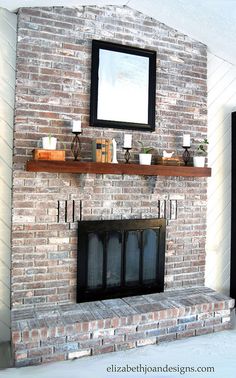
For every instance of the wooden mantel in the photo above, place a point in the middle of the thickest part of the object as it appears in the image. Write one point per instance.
(71, 166)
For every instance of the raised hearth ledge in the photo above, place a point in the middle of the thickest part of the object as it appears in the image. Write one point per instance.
(60, 332)
(71, 166)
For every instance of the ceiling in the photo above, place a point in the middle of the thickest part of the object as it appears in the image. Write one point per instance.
(212, 22)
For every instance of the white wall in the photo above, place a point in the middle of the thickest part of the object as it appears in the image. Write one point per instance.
(221, 103)
(7, 93)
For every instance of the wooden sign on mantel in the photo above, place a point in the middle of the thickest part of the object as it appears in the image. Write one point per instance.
(42, 154)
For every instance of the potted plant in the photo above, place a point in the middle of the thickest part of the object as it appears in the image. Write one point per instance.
(199, 160)
(49, 142)
(145, 157)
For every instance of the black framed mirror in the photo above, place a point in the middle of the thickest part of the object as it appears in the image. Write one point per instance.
(123, 86)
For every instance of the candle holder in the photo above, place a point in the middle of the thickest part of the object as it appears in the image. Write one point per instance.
(186, 155)
(127, 154)
(76, 146)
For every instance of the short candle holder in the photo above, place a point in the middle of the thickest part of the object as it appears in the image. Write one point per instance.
(76, 146)
(127, 154)
(186, 155)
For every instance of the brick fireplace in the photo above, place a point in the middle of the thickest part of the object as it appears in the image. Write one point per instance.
(52, 88)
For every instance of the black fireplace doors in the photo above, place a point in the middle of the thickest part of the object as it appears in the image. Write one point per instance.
(118, 258)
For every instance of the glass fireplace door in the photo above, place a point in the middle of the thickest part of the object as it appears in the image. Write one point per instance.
(120, 258)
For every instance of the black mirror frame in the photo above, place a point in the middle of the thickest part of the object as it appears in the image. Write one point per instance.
(151, 55)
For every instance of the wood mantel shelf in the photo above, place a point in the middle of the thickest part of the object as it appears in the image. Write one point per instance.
(71, 166)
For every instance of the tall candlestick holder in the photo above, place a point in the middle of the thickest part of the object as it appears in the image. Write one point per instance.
(186, 155)
(127, 154)
(76, 145)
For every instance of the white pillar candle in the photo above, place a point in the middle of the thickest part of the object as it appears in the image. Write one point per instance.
(76, 127)
(127, 140)
(186, 140)
(114, 146)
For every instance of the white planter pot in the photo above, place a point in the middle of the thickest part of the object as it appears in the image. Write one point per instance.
(145, 159)
(49, 143)
(199, 161)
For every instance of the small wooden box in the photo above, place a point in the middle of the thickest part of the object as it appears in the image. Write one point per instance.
(41, 154)
(177, 160)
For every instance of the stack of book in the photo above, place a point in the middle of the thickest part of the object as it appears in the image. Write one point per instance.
(177, 160)
(102, 150)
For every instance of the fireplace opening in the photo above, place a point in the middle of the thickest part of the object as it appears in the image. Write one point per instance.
(118, 258)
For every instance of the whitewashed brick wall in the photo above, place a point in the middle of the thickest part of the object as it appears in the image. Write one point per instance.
(52, 87)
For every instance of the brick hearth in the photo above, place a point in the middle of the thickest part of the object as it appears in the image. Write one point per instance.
(61, 332)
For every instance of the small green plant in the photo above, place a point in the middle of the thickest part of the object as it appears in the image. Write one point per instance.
(144, 149)
(202, 146)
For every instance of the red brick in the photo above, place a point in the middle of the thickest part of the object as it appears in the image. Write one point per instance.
(16, 337)
(101, 350)
(203, 331)
(184, 334)
(165, 338)
(125, 346)
(34, 334)
(40, 352)
(222, 327)
(54, 358)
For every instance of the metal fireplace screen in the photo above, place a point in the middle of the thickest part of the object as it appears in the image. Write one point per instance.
(119, 258)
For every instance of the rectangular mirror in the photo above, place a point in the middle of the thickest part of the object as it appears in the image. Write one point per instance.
(123, 86)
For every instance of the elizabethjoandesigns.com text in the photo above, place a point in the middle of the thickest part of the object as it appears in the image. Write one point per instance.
(148, 369)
